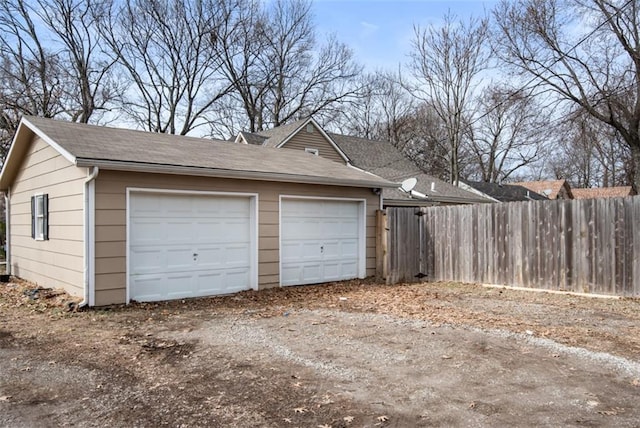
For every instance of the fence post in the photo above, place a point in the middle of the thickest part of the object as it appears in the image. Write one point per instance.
(382, 254)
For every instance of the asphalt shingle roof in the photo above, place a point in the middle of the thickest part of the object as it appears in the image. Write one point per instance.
(277, 135)
(383, 159)
(548, 188)
(602, 192)
(506, 192)
(255, 139)
(91, 144)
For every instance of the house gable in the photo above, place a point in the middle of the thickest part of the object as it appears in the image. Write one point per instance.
(304, 135)
(309, 139)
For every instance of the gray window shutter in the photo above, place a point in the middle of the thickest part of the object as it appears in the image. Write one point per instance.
(45, 210)
(33, 217)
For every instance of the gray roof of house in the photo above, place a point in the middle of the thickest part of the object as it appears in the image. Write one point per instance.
(126, 149)
(255, 139)
(277, 135)
(506, 192)
(384, 159)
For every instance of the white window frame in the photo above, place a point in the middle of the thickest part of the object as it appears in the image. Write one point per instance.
(315, 152)
(39, 217)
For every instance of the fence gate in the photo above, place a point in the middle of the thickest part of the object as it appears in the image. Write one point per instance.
(408, 258)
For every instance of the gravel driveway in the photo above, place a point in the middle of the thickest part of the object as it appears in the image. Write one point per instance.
(278, 360)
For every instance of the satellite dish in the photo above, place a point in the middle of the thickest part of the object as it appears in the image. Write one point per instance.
(408, 184)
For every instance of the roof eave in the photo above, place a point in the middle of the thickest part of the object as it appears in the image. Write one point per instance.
(460, 200)
(227, 173)
(408, 202)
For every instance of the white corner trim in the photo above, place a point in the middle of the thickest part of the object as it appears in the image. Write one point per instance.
(7, 230)
(240, 139)
(89, 225)
(254, 226)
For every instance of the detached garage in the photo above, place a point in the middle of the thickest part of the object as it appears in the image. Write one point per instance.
(115, 215)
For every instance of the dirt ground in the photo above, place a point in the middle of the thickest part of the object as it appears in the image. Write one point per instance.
(351, 354)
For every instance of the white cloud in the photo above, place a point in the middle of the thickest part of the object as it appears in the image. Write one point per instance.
(368, 29)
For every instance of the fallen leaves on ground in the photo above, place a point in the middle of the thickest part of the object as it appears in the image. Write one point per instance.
(573, 320)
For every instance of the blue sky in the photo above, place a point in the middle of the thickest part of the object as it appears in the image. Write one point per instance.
(380, 31)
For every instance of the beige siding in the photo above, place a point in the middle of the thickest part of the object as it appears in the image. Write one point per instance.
(111, 218)
(58, 262)
(313, 140)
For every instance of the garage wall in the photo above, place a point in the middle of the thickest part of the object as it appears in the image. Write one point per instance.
(111, 221)
(59, 261)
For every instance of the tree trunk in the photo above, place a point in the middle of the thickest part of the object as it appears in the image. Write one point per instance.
(635, 155)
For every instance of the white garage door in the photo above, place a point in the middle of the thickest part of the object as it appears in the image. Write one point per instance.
(321, 241)
(186, 245)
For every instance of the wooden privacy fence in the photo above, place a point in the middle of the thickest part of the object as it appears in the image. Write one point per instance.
(589, 246)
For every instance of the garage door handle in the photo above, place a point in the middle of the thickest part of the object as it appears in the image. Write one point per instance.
(322, 248)
(195, 255)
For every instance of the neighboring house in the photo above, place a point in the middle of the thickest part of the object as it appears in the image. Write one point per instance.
(501, 192)
(603, 192)
(378, 157)
(115, 215)
(551, 189)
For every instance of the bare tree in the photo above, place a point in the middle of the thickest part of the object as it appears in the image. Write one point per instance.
(591, 154)
(585, 52)
(169, 51)
(510, 133)
(73, 23)
(382, 110)
(243, 39)
(32, 74)
(426, 142)
(51, 64)
(279, 70)
(308, 77)
(447, 61)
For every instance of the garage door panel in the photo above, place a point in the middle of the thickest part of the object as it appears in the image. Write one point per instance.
(290, 251)
(290, 274)
(331, 250)
(236, 255)
(235, 280)
(148, 260)
(145, 231)
(184, 245)
(209, 257)
(349, 248)
(311, 272)
(177, 231)
(320, 240)
(178, 259)
(147, 287)
(331, 271)
(146, 205)
(349, 229)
